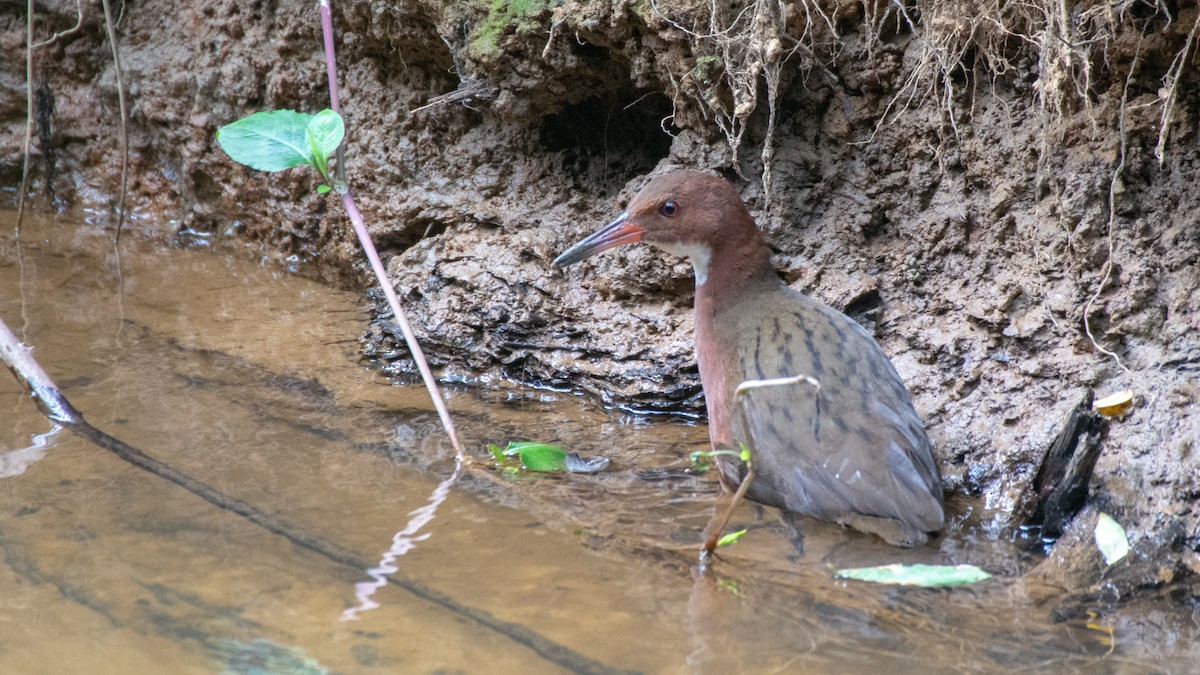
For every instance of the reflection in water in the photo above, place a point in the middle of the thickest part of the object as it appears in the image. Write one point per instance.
(402, 543)
(709, 615)
(15, 462)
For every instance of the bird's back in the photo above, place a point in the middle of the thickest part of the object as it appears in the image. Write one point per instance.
(852, 447)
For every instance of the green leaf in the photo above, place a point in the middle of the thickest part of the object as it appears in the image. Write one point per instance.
(916, 575)
(744, 455)
(268, 141)
(535, 456)
(323, 188)
(1111, 539)
(543, 457)
(325, 132)
(730, 538)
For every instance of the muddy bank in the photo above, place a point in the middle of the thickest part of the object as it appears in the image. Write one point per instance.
(972, 186)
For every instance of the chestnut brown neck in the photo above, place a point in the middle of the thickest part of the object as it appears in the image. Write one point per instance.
(739, 264)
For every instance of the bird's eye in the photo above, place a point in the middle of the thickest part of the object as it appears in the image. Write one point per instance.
(669, 209)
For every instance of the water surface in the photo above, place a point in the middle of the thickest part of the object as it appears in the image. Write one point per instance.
(245, 379)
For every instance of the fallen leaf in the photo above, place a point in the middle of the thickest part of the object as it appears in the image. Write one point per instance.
(1111, 539)
(916, 575)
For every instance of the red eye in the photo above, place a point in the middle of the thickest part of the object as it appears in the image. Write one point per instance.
(669, 209)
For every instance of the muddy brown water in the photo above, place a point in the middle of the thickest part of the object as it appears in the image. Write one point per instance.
(245, 379)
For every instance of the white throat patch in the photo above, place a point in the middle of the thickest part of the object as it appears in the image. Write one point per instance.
(699, 253)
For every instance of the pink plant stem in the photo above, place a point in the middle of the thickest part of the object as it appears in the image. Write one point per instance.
(364, 238)
(330, 60)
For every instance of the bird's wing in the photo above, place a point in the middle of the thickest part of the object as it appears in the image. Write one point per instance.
(853, 445)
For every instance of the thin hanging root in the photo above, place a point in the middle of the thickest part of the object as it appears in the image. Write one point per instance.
(112, 41)
(1171, 90)
(28, 115)
(1113, 182)
(29, 46)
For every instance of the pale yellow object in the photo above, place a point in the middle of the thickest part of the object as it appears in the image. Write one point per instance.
(1114, 404)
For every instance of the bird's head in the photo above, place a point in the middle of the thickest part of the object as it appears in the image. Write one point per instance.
(683, 212)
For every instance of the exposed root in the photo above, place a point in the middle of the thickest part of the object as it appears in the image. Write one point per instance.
(61, 34)
(1113, 190)
(740, 50)
(1170, 89)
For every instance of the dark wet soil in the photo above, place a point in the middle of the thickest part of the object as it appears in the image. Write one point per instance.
(984, 199)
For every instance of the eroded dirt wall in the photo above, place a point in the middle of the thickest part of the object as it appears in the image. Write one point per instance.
(971, 185)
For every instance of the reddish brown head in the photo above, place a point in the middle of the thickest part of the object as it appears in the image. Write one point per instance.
(685, 213)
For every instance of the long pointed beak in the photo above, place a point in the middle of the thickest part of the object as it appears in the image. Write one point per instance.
(620, 231)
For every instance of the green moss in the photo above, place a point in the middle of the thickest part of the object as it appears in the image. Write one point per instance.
(502, 16)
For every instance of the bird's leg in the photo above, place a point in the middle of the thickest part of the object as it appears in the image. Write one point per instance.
(795, 535)
(712, 531)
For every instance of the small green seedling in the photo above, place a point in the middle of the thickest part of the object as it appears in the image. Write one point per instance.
(700, 466)
(730, 538)
(275, 140)
(916, 575)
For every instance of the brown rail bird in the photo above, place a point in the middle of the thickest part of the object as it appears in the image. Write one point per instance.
(841, 441)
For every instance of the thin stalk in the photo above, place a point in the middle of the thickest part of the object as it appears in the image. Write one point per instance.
(28, 114)
(331, 72)
(364, 238)
(112, 41)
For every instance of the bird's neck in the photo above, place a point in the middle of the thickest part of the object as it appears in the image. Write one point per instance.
(733, 271)
(726, 272)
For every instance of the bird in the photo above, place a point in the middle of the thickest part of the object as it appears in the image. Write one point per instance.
(832, 430)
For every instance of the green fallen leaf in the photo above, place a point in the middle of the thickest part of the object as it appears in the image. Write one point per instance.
(1111, 539)
(515, 448)
(273, 140)
(916, 575)
(730, 538)
(533, 455)
(543, 457)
